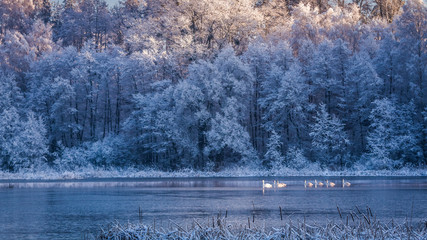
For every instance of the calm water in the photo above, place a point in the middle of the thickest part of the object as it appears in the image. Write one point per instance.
(68, 209)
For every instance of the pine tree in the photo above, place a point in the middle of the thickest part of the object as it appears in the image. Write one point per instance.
(273, 157)
(329, 138)
(383, 140)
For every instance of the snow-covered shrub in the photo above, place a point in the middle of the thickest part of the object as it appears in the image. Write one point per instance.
(72, 158)
(111, 151)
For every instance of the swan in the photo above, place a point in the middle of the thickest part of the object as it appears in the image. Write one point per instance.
(307, 184)
(329, 184)
(344, 183)
(266, 185)
(316, 183)
(281, 185)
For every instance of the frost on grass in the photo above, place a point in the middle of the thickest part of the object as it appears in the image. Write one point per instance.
(353, 226)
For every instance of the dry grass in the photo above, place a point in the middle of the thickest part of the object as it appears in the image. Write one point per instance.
(358, 224)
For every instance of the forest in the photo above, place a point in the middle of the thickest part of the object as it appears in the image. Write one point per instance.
(197, 84)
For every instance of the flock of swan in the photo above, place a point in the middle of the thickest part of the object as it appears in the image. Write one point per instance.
(306, 184)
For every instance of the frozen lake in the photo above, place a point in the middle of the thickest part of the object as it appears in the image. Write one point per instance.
(68, 209)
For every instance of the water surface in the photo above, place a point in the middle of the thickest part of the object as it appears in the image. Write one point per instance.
(69, 209)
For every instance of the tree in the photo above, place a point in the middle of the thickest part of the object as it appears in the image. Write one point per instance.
(364, 86)
(15, 15)
(86, 20)
(412, 32)
(287, 112)
(40, 39)
(227, 134)
(11, 95)
(43, 10)
(15, 55)
(381, 140)
(393, 136)
(343, 26)
(387, 9)
(388, 66)
(327, 73)
(10, 127)
(30, 145)
(273, 156)
(305, 25)
(329, 138)
(259, 61)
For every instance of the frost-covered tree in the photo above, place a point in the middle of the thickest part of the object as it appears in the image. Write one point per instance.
(389, 67)
(329, 138)
(40, 38)
(11, 95)
(392, 138)
(227, 134)
(23, 142)
(10, 128)
(43, 9)
(387, 9)
(305, 25)
(363, 87)
(30, 145)
(152, 129)
(273, 157)
(327, 75)
(412, 32)
(15, 15)
(381, 140)
(260, 66)
(15, 52)
(287, 114)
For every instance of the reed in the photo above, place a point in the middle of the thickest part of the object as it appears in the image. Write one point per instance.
(362, 226)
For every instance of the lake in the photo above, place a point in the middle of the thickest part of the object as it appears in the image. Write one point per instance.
(69, 209)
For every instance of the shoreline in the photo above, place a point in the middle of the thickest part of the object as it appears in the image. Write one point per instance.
(133, 173)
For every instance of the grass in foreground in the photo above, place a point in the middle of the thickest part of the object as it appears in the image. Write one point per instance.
(356, 225)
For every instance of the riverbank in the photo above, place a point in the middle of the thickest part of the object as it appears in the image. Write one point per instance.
(94, 172)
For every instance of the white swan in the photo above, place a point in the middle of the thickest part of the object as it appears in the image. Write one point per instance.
(330, 184)
(307, 184)
(266, 185)
(344, 183)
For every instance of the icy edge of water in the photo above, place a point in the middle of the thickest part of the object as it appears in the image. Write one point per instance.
(92, 172)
